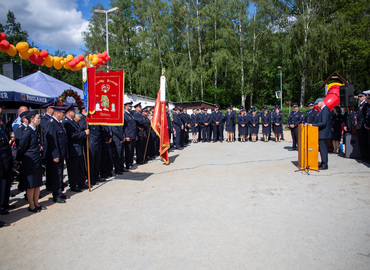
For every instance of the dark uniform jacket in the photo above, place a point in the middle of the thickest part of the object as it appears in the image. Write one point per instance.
(29, 150)
(310, 116)
(75, 136)
(295, 118)
(218, 116)
(45, 119)
(142, 124)
(360, 115)
(56, 143)
(129, 126)
(177, 121)
(266, 119)
(277, 118)
(18, 134)
(95, 138)
(349, 120)
(324, 123)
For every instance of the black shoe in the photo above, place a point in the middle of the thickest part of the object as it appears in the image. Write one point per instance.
(119, 172)
(9, 207)
(34, 210)
(100, 180)
(323, 168)
(63, 196)
(59, 200)
(4, 224)
(84, 186)
(41, 207)
(3, 212)
(124, 170)
(76, 189)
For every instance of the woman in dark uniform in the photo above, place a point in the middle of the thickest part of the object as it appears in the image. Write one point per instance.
(29, 154)
(230, 124)
(254, 125)
(278, 122)
(266, 124)
(242, 125)
(194, 121)
(336, 127)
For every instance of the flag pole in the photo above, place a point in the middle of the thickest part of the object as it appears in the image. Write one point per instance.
(86, 103)
(147, 140)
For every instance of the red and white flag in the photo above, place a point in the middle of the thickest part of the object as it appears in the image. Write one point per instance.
(159, 121)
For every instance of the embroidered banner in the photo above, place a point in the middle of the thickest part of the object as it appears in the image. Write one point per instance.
(106, 98)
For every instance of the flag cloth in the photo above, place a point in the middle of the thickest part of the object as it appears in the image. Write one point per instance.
(106, 94)
(160, 126)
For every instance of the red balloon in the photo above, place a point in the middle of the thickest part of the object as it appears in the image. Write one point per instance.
(39, 61)
(5, 45)
(2, 36)
(44, 54)
(72, 63)
(33, 58)
(99, 55)
(108, 57)
(104, 54)
(81, 58)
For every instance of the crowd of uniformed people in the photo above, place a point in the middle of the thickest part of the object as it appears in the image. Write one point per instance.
(44, 144)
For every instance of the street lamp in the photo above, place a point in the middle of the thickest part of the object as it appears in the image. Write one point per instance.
(281, 87)
(102, 11)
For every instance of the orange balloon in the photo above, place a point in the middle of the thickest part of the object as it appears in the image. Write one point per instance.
(62, 62)
(95, 60)
(56, 59)
(36, 51)
(78, 66)
(22, 46)
(1, 50)
(12, 51)
(57, 65)
(66, 66)
(30, 52)
(69, 57)
(24, 55)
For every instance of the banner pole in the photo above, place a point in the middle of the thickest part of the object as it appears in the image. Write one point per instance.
(88, 159)
(147, 140)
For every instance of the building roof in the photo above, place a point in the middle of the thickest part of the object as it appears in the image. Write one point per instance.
(335, 76)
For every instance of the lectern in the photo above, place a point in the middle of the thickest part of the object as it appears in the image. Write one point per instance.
(308, 148)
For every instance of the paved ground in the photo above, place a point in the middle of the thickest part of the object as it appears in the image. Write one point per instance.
(216, 206)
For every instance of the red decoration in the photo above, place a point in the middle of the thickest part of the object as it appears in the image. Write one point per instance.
(70, 93)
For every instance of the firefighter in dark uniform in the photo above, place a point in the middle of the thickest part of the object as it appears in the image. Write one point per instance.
(169, 122)
(56, 147)
(95, 154)
(4, 149)
(129, 128)
(311, 115)
(118, 139)
(178, 126)
(7, 163)
(106, 164)
(361, 130)
(186, 120)
(218, 125)
(295, 118)
(45, 118)
(349, 120)
(29, 154)
(21, 127)
(75, 160)
(141, 125)
(367, 122)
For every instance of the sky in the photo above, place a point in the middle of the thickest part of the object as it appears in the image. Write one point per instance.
(53, 24)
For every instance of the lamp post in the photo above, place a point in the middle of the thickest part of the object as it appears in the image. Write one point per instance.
(281, 87)
(102, 11)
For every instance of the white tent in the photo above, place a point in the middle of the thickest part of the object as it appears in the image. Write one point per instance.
(11, 90)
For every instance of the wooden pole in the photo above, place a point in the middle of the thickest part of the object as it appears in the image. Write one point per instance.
(88, 158)
(147, 140)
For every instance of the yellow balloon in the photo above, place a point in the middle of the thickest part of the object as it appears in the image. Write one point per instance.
(57, 65)
(69, 57)
(22, 46)
(30, 52)
(78, 66)
(24, 55)
(56, 59)
(90, 56)
(62, 62)
(95, 60)
(12, 51)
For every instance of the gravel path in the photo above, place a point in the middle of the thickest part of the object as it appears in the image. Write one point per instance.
(216, 206)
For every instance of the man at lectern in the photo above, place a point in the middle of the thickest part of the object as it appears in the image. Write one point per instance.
(323, 121)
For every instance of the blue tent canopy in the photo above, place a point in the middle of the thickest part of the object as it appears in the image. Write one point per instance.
(11, 90)
(48, 84)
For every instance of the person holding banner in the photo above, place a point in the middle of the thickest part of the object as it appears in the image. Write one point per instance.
(142, 124)
(129, 128)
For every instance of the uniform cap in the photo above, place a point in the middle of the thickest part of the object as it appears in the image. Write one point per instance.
(310, 103)
(217, 106)
(59, 108)
(128, 103)
(47, 105)
(23, 114)
(319, 100)
(69, 107)
(30, 114)
(180, 107)
(361, 94)
(295, 105)
(137, 105)
(241, 107)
